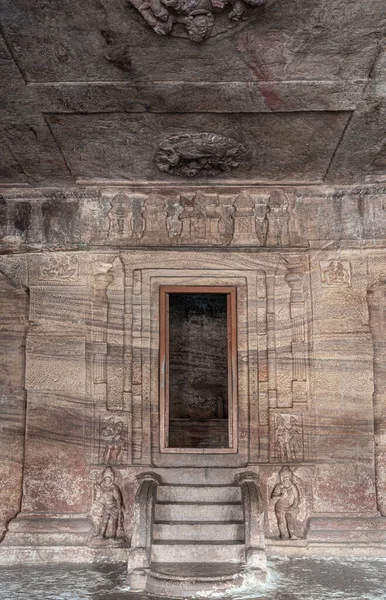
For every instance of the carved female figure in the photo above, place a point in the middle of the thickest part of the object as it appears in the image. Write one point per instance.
(288, 499)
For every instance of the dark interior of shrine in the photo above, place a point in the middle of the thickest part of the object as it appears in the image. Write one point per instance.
(198, 370)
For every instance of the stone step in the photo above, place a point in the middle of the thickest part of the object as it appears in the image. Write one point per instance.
(198, 475)
(198, 493)
(198, 552)
(201, 532)
(185, 511)
(187, 580)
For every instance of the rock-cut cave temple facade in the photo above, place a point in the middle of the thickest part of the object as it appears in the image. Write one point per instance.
(193, 285)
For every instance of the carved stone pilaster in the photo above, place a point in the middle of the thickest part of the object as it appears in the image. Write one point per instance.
(376, 299)
(100, 278)
(294, 278)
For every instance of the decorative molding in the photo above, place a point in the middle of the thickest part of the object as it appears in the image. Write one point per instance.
(376, 300)
(299, 346)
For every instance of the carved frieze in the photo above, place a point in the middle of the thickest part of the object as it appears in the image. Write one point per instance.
(16, 269)
(200, 220)
(278, 220)
(199, 154)
(198, 19)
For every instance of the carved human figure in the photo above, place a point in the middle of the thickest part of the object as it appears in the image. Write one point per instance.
(173, 221)
(295, 439)
(282, 439)
(108, 498)
(287, 496)
(61, 268)
(115, 442)
(278, 220)
(335, 273)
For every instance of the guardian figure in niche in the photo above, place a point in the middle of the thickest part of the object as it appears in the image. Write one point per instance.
(198, 17)
(287, 496)
(108, 506)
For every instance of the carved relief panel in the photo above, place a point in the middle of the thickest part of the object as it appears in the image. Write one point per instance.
(204, 218)
(289, 500)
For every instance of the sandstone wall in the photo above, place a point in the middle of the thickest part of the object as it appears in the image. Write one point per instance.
(308, 264)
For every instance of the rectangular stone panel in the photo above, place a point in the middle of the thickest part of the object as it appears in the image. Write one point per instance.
(94, 41)
(280, 147)
(55, 363)
(60, 310)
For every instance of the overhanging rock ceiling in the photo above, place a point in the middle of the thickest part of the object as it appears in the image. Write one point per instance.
(90, 91)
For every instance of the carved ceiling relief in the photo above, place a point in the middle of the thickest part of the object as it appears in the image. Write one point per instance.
(199, 154)
(197, 19)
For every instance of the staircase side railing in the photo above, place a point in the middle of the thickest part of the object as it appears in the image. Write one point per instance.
(144, 505)
(255, 555)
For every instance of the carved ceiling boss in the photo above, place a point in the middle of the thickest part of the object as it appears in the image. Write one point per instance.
(199, 154)
(198, 17)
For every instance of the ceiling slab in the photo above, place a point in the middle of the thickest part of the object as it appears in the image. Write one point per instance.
(107, 40)
(281, 146)
(90, 90)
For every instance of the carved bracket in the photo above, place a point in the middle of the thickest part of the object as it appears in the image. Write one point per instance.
(144, 504)
(255, 555)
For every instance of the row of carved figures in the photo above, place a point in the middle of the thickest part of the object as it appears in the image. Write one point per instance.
(200, 219)
(108, 507)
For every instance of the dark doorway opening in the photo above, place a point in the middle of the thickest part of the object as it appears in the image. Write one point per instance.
(197, 347)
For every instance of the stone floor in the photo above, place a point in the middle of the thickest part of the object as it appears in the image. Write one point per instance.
(296, 579)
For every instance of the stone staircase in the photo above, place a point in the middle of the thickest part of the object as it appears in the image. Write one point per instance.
(198, 536)
(198, 523)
